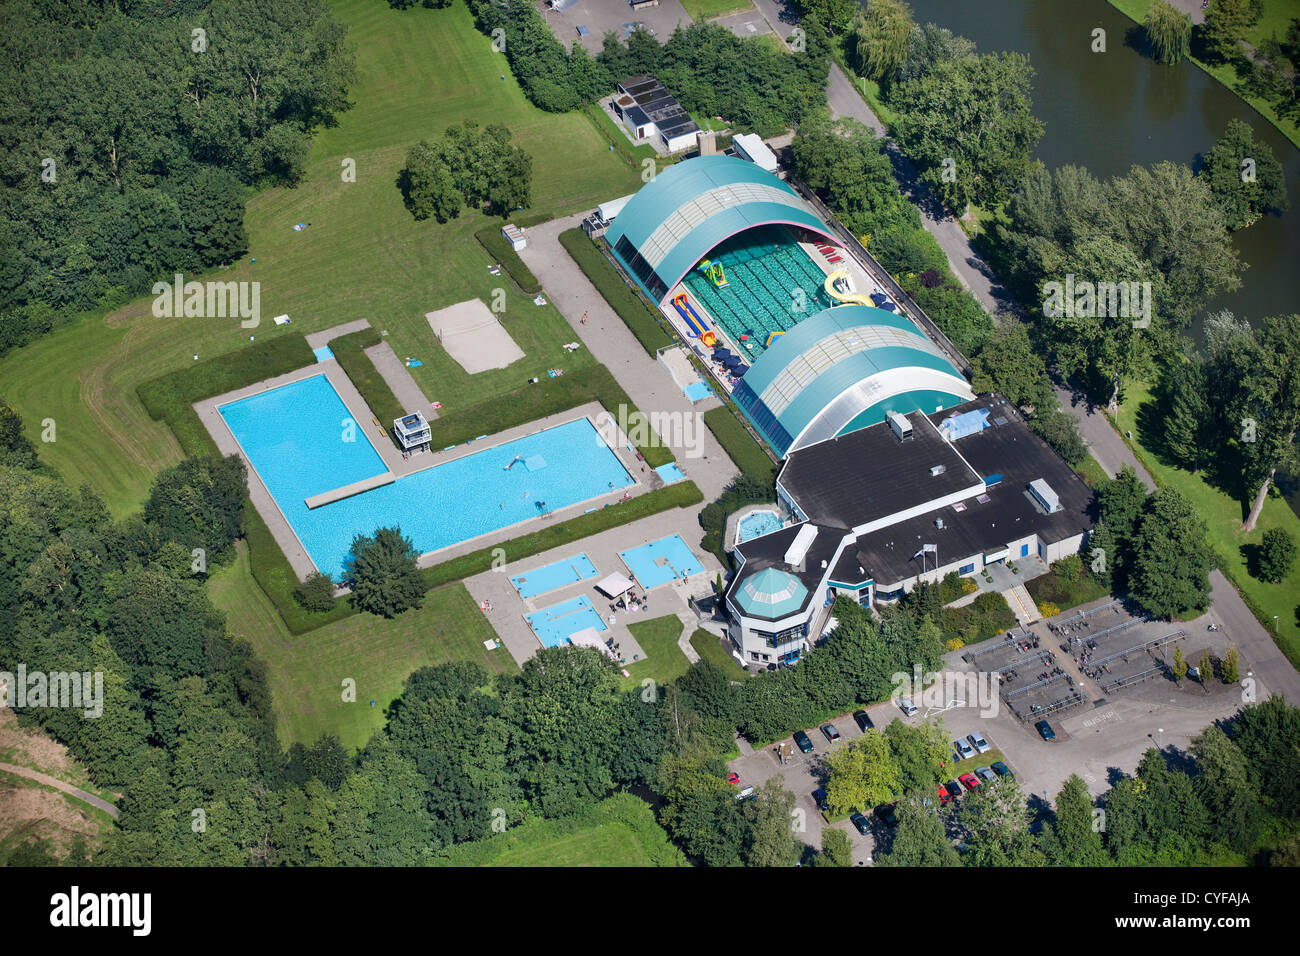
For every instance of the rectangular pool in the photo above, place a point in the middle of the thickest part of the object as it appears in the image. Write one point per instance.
(552, 576)
(661, 561)
(554, 625)
(302, 442)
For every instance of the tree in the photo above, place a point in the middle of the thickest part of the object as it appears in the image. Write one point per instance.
(919, 838)
(1071, 838)
(1186, 416)
(200, 504)
(1179, 667)
(771, 840)
(16, 450)
(1205, 666)
(316, 593)
(1171, 557)
(384, 575)
(1245, 177)
(1009, 363)
(427, 185)
(1226, 23)
(1169, 32)
(1224, 786)
(863, 774)
(930, 45)
(1276, 555)
(919, 752)
(1231, 665)
(970, 128)
(837, 849)
(995, 821)
(836, 15)
(883, 29)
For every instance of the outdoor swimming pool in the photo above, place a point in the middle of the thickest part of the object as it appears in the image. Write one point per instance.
(552, 576)
(661, 561)
(756, 525)
(554, 625)
(297, 439)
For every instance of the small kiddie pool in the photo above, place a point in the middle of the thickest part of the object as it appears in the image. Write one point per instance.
(656, 563)
(565, 571)
(554, 625)
(756, 524)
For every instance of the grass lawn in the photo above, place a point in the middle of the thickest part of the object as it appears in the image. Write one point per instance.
(620, 831)
(701, 10)
(419, 71)
(1064, 594)
(306, 673)
(664, 660)
(1223, 515)
(709, 646)
(1277, 14)
(1091, 471)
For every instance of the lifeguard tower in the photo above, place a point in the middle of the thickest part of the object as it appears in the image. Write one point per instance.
(412, 432)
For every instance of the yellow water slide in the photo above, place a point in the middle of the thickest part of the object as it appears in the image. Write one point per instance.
(839, 296)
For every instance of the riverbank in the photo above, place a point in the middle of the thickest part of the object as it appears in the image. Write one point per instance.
(1225, 73)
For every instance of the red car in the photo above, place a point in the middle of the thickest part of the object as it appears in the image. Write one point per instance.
(733, 777)
(969, 781)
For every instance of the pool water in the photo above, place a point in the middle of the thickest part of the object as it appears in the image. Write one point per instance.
(756, 525)
(554, 625)
(297, 441)
(697, 391)
(661, 561)
(670, 473)
(552, 576)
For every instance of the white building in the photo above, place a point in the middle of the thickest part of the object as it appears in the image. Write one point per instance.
(750, 146)
(911, 498)
(650, 111)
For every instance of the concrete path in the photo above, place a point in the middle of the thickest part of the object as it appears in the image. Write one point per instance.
(394, 372)
(1102, 439)
(59, 785)
(646, 382)
(325, 336)
(1021, 604)
(689, 624)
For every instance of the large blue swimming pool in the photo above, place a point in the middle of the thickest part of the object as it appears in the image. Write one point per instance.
(295, 436)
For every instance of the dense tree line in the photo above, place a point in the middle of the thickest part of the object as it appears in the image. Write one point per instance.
(129, 141)
(468, 167)
(1244, 176)
(1233, 407)
(1228, 801)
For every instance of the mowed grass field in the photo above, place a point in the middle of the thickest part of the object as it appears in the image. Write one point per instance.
(307, 672)
(664, 660)
(1223, 516)
(419, 71)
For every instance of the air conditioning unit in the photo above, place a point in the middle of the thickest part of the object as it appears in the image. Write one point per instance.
(937, 470)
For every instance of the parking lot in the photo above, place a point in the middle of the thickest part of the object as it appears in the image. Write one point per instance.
(601, 16)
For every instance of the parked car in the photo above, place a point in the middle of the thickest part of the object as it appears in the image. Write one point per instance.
(802, 742)
(969, 781)
(859, 821)
(819, 798)
(887, 813)
(733, 777)
(963, 749)
(1002, 770)
(978, 742)
(953, 788)
(747, 792)
(1045, 730)
(944, 795)
(986, 773)
(906, 706)
(862, 720)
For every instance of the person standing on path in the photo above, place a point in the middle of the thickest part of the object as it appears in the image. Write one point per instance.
(584, 318)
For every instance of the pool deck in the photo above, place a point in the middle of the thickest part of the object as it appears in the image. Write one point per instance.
(508, 608)
(398, 467)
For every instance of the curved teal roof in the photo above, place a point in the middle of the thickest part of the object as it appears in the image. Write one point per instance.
(843, 369)
(690, 207)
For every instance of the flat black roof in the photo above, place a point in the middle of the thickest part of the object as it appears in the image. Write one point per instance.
(870, 474)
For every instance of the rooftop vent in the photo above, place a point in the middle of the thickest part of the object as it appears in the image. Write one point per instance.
(1044, 495)
(900, 426)
(938, 523)
(937, 470)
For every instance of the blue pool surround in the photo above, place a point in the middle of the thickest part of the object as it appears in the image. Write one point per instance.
(301, 441)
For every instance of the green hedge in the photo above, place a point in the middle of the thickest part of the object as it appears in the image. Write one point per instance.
(739, 444)
(276, 577)
(642, 323)
(170, 398)
(683, 494)
(550, 396)
(349, 351)
(491, 239)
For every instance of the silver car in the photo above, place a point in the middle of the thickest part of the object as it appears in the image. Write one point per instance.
(964, 750)
(906, 706)
(978, 742)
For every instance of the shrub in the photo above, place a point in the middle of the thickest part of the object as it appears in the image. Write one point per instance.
(316, 593)
(385, 578)
(1048, 609)
(502, 252)
(1276, 555)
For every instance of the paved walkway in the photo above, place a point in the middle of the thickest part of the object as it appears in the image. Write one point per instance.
(395, 373)
(689, 624)
(646, 382)
(59, 785)
(325, 336)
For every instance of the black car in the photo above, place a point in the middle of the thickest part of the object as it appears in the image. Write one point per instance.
(819, 798)
(953, 788)
(802, 742)
(1045, 730)
(862, 720)
(887, 813)
(861, 823)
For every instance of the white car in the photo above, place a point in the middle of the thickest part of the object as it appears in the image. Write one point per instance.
(906, 706)
(964, 750)
(978, 742)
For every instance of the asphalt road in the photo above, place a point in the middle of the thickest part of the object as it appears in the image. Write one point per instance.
(67, 788)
